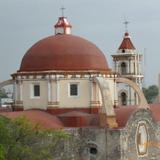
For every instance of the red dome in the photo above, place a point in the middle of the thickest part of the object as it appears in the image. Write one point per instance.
(63, 52)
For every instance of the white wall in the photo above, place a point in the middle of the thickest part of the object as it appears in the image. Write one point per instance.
(29, 101)
(60, 93)
(82, 100)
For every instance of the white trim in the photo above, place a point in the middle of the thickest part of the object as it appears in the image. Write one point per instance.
(143, 154)
(49, 90)
(20, 90)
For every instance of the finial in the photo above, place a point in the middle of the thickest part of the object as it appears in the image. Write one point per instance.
(126, 25)
(62, 9)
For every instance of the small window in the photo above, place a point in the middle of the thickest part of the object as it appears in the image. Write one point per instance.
(123, 51)
(73, 89)
(36, 90)
(93, 150)
(123, 68)
(124, 98)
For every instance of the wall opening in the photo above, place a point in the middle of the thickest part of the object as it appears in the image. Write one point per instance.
(123, 51)
(93, 150)
(123, 98)
(123, 68)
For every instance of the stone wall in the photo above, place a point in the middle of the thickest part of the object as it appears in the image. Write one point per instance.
(129, 147)
(116, 144)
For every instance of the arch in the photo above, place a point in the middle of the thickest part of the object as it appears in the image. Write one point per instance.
(143, 102)
(107, 104)
(123, 68)
(6, 83)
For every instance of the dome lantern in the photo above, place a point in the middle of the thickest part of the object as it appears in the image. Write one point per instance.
(62, 26)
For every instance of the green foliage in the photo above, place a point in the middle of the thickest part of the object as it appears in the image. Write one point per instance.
(2, 153)
(21, 140)
(3, 94)
(151, 93)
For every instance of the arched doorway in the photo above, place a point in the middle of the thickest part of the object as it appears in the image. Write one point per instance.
(123, 98)
(123, 68)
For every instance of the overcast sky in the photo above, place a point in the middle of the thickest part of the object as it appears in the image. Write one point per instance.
(24, 22)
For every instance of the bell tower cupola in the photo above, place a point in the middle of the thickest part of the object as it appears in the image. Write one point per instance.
(62, 26)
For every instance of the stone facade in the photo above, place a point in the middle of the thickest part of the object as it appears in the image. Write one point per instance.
(116, 144)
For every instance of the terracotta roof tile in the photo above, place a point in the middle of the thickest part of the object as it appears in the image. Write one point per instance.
(5, 109)
(123, 113)
(155, 108)
(74, 114)
(79, 119)
(127, 43)
(45, 120)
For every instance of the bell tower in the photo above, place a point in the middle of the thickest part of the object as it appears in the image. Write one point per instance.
(127, 64)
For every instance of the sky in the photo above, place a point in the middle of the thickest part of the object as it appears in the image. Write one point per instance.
(24, 22)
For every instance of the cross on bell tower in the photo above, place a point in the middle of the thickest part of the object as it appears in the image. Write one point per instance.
(126, 25)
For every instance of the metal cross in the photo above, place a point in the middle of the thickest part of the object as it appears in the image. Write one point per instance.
(126, 25)
(63, 11)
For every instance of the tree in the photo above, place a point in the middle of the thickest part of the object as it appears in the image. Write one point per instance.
(2, 153)
(3, 94)
(21, 140)
(151, 93)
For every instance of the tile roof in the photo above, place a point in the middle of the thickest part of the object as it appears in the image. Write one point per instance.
(76, 118)
(127, 43)
(45, 120)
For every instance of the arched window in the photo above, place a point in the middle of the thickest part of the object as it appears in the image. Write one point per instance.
(142, 138)
(92, 149)
(124, 98)
(123, 68)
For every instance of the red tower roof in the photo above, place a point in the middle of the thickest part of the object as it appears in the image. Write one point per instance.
(127, 43)
(62, 22)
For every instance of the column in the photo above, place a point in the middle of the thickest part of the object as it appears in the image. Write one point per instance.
(49, 91)
(21, 91)
(115, 94)
(115, 66)
(14, 91)
(91, 91)
(19, 95)
(94, 94)
(135, 65)
(57, 91)
(53, 93)
(129, 68)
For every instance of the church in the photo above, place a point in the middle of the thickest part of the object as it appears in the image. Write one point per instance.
(65, 82)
